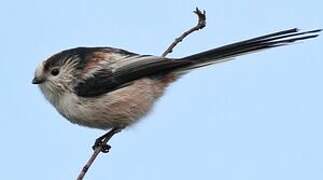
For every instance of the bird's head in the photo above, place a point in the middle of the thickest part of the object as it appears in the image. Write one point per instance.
(56, 74)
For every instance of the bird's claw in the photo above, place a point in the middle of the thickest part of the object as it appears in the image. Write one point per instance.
(99, 144)
(105, 148)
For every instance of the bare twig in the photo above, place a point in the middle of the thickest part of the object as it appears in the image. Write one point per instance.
(97, 149)
(101, 143)
(200, 25)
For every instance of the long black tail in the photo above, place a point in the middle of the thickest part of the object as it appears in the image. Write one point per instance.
(227, 52)
(143, 66)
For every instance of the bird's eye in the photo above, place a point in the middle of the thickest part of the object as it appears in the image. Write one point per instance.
(55, 72)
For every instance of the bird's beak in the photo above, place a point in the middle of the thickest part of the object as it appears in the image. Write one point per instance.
(37, 80)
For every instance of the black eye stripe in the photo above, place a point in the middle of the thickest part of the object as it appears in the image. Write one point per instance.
(55, 72)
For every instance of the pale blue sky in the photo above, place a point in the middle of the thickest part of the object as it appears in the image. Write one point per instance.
(259, 117)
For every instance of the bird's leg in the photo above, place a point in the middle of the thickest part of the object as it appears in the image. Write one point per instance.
(101, 142)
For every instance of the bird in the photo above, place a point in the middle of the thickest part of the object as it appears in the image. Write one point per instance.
(106, 88)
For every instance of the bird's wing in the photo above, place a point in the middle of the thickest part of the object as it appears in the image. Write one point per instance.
(117, 70)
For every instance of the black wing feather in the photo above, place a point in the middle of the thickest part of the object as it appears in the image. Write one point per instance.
(105, 81)
(100, 83)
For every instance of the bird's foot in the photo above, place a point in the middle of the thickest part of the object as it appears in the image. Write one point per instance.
(102, 145)
(101, 142)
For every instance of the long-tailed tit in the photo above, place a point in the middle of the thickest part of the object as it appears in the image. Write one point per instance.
(104, 87)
